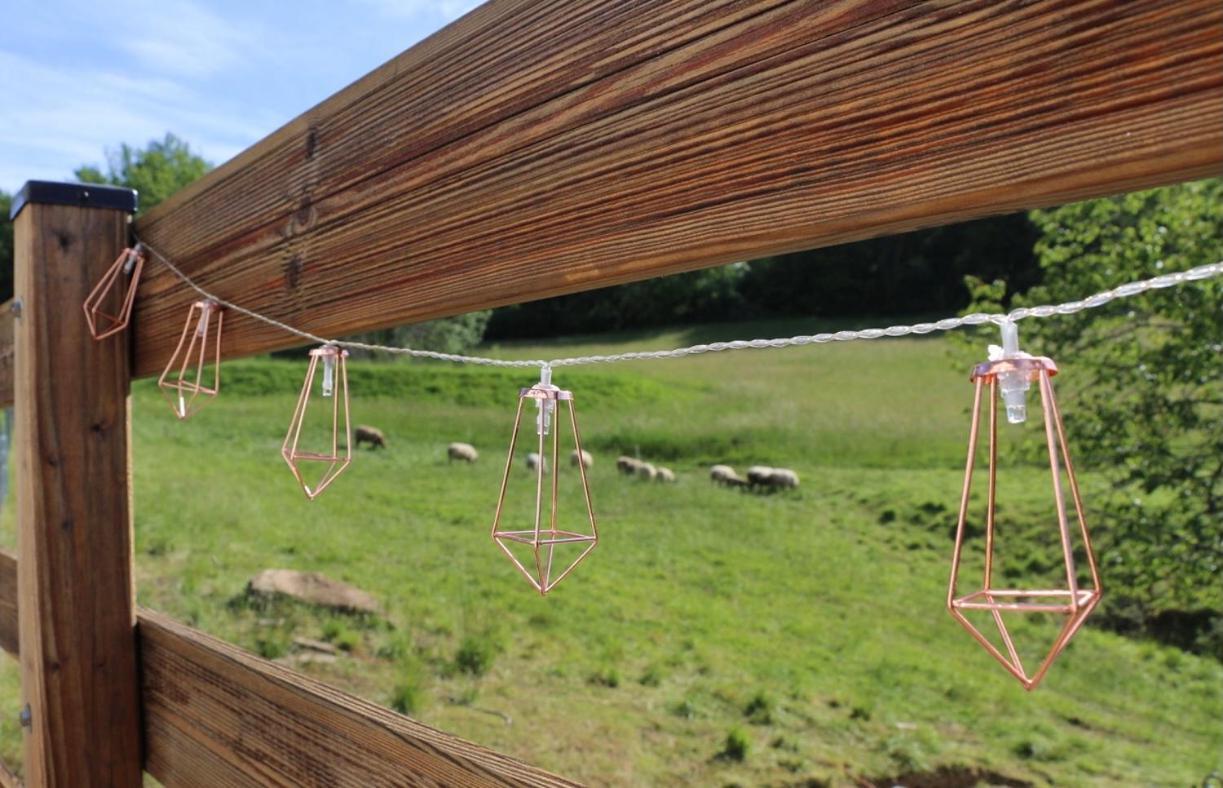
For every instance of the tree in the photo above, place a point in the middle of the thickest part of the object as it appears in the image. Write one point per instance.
(156, 171)
(1144, 399)
(446, 335)
(6, 247)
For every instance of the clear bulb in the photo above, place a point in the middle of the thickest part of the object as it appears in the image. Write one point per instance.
(1015, 387)
(1014, 384)
(328, 375)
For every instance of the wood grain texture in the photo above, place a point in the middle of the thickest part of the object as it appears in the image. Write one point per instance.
(74, 575)
(535, 148)
(8, 602)
(217, 716)
(7, 778)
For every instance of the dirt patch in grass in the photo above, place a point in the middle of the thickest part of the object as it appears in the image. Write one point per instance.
(948, 777)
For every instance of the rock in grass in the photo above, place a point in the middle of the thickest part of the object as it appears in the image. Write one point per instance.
(313, 588)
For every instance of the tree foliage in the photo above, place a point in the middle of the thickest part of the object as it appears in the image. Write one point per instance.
(155, 171)
(1143, 397)
(917, 272)
(6, 247)
(446, 335)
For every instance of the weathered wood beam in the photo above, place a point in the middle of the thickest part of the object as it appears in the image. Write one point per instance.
(535, 148)
(76, 611)
(216, 716)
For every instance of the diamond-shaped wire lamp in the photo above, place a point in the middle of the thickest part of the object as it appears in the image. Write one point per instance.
(182, 381)
(1073, 603)
(108, 308)
(334, 455)
(544, 545)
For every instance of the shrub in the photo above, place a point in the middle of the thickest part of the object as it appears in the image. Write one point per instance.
(475, 655)
(736, 746)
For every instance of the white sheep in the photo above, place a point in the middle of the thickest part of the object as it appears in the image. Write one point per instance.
(783, 479)
(627, 465)
(587, 458)
(462, 451)
(534, 462)
(720, 473)
(647, 472)
(759, 475)
(665, 475)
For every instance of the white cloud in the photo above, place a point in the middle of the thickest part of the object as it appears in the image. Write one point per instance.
(181, 37)
(57, 118)
(447, 9)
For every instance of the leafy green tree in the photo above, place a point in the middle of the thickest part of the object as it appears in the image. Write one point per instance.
(1144, 397)
(6, 247)
(155, 171)
(456, 334)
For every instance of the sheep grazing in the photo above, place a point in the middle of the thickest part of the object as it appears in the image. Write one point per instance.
(586, 458)
(759, 475)
(646, 472)
(371, 435)
(534, 462)
(783, 479)
(462, 451)
(720, 474)
(665, 475)
(735, 480)
(627, 465)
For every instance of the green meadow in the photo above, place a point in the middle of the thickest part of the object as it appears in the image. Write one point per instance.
(714, 637)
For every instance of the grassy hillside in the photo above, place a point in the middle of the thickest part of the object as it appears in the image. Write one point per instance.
(804, 632)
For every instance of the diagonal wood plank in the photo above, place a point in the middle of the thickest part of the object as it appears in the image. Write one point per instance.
(214, 715)
(537, 148)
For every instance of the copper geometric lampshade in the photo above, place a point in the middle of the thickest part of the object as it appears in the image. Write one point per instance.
(322, 453)
(183, 380)
(108, 308)
(1069, 603)
(544, 552)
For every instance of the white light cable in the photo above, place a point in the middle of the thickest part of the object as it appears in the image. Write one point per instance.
(1128, 290)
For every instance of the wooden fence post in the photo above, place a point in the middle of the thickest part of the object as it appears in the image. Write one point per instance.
(71, 448)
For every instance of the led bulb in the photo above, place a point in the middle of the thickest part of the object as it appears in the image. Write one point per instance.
(328, 375)
(1014, 384)
(1015, 387)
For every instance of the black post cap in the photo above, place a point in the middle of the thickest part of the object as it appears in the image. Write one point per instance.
(86, 195)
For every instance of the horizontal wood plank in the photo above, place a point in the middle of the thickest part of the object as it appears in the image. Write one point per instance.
(538, 148)
(217, 716)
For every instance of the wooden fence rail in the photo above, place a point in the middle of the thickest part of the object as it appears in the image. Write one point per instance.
(214, 715)
(536, 148)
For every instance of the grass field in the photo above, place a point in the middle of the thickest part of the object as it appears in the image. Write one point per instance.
(714, 637)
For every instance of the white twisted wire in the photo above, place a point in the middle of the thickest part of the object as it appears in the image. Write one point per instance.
(1127, 290)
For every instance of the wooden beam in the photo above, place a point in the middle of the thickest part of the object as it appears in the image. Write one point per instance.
(215, 716)
(534, 148)
(71, 451)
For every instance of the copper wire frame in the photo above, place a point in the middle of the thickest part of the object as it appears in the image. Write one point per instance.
(541, 538)
(102, 324)
(336, 460)
(180, 391)
(1073, 602)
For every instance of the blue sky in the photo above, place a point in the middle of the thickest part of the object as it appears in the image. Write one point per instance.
(78, 77)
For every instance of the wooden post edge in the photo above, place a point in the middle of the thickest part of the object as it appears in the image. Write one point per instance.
(217, 715)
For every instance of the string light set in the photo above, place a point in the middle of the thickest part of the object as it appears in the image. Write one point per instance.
(553, 543)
